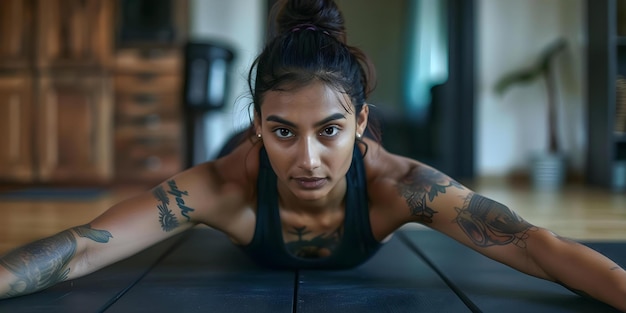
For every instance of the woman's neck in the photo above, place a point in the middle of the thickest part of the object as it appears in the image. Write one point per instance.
(334, 200)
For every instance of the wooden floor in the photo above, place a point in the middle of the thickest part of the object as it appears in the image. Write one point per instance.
(576, 212)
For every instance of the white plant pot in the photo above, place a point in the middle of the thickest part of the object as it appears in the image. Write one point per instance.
(548, 171)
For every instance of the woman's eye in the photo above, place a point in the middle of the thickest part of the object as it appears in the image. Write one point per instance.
(283, 133)
(330, 131)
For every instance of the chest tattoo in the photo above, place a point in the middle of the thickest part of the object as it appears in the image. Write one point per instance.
(311, 246)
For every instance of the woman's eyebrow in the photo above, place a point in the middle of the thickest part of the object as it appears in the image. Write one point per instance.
(277, 119)
(336, 116)
(274, 118)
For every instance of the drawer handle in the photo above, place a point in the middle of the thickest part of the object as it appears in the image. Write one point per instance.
(146, 77)
(149, 141)
(152, 163)
(152, 53)
(145, 99)
(150, 121)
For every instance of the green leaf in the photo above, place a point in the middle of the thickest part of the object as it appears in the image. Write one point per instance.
(537, 70)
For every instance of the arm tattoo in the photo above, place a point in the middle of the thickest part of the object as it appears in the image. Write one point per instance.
(43, 263)
(97, 235)
(166, 217)
(178, 194)
(487, 223)
(422, 183)
(317, 247)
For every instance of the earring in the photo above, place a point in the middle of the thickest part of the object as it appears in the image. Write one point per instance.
(358, 136)
(258, 135)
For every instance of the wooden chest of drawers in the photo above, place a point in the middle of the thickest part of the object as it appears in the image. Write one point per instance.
(148, 131)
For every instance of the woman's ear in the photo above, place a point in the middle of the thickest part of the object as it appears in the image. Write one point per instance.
(361, 119)
(257, 124)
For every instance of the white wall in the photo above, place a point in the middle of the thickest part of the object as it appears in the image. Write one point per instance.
(510, 33)
(238, 24)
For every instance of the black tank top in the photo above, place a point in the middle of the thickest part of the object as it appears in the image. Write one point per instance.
(357, 244)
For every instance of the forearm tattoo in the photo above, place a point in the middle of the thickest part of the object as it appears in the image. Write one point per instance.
(420, 187)
(167, 219)
(487, 223)
(319, 246)
(44, 263)
(97, 235)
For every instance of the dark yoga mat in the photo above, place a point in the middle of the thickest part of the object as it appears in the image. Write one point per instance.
(494, 287)
(207, 273)
(417, 271)
(394, 280)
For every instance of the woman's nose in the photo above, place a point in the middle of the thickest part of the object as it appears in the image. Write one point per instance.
(309, 153)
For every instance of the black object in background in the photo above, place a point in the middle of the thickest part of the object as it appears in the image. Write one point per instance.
(146, 21)
(206, 75)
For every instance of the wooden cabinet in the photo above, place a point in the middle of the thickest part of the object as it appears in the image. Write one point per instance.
(90, 90)
(16, 157)
(16, 29)
(606, 93)
(148, 128)
(65, 136)
(74, 33)
(55, 91)
(74, 117)
(147, 70)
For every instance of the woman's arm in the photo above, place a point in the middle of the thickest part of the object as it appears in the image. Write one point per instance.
(579, 268)
(123, 230)
(45, 262)
(491, 228)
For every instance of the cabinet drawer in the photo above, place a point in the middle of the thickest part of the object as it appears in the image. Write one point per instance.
(153, 167)
(148, 124)
(146, 103)
(151, 60)
(142, 145)
(148, 156)
(147, 82)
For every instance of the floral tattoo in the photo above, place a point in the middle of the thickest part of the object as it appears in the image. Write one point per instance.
(420, 187)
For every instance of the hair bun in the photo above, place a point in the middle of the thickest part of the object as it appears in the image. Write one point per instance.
(290, 15)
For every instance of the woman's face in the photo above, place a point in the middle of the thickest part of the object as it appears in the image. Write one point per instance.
(309, 137)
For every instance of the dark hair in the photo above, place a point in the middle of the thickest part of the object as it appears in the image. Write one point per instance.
(308, 42)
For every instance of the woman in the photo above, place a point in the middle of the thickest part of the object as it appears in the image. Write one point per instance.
(307, 186)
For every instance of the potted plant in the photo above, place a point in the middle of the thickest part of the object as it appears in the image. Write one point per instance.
(547, 169)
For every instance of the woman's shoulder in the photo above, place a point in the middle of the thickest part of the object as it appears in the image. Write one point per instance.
(240, 166)
(382, 165)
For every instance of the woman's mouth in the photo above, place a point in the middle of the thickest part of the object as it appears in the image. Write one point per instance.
(310, 182)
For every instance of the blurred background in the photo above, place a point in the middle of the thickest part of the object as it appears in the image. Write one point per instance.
(105, 92)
